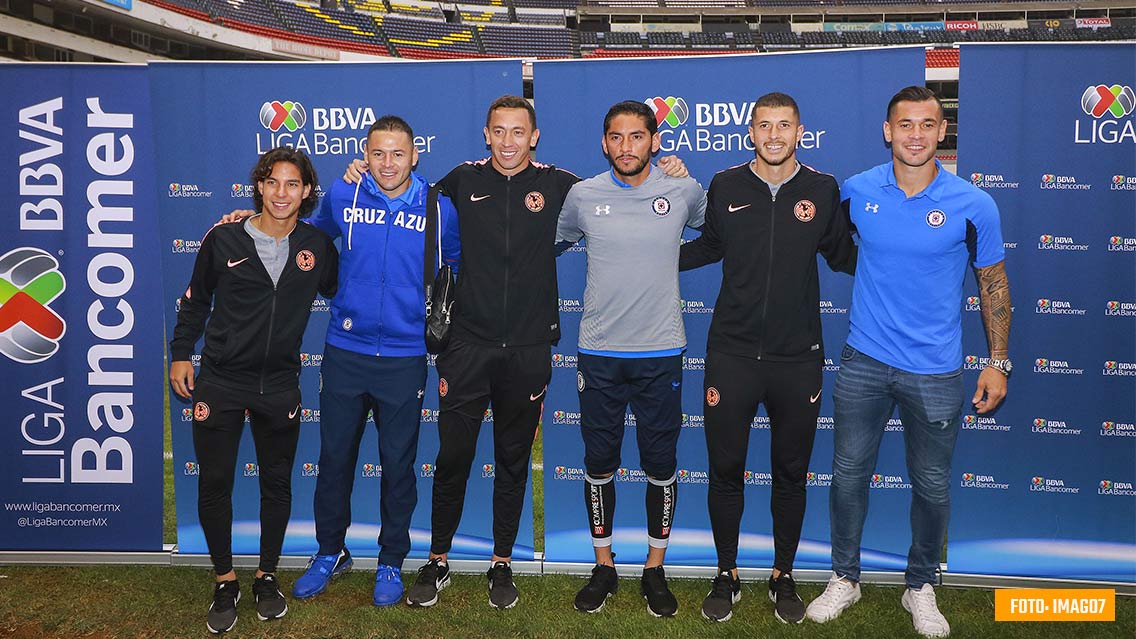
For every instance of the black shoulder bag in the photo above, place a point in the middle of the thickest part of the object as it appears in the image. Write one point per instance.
(439, 285)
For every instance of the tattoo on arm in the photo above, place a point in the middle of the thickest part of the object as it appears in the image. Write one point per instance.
(994, 293)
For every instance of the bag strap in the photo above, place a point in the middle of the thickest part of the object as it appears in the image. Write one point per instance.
(432, 238)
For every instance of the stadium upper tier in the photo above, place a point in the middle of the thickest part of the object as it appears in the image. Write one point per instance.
(539, 28)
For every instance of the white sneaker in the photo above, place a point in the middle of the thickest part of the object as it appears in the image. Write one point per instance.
(838, 595)
(929, 622)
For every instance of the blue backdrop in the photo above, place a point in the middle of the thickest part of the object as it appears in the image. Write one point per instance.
(202, 171)
(842, 97)
(1044, 487)
(81, 467)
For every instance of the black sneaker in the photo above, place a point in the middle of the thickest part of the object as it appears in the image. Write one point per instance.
(502, 590)
(603, 584)
(223, 611)
(433, 577)
(787, 605)
(270, 602)
(653, 587)
(724, 593)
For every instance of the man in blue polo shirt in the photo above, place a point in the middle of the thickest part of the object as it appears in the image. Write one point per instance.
(918, 228)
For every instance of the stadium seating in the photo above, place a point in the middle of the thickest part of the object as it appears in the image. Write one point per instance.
(522, 41)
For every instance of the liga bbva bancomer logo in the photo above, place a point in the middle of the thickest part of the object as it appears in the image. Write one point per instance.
(1106, 105)
(30, 280)
(670, 110)
(287, 115)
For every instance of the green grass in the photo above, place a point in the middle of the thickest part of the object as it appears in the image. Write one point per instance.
(160, 602)
(145, 602)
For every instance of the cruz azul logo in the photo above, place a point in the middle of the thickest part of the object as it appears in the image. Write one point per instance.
(30, 280)
(287, 123)
(1109, 108)
(972, 480)
(1047, 485)
(709, 126)
(1117, 429)
(991, 181)
(1110, 487)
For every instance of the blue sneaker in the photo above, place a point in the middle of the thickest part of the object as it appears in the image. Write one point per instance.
(321, 569)
(388, 585)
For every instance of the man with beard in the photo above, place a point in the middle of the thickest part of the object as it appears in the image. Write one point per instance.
(631, 337)
(766, 221)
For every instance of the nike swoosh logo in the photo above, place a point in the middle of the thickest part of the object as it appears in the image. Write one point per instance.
(292, 413)
(814, 398)
(477, 198)
(232, 263)
(734, 208)
(533, 398)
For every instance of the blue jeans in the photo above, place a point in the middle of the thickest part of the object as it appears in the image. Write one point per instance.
(930, 406)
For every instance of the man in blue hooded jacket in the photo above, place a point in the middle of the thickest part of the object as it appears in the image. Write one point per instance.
(375, 354)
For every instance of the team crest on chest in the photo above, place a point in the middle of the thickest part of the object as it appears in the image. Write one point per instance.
(661, 206)
(306, 260)
(535, 201)
(936, 218)
(805, 210)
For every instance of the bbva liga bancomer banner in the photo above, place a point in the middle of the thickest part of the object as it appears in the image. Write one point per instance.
(81, 467)
(1044, 487)
(202, 172)
(703, 107)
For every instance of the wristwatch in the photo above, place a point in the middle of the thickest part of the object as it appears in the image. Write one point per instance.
(1004, 366)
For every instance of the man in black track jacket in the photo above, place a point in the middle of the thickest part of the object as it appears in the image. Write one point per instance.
(254, 280)
(766, 220)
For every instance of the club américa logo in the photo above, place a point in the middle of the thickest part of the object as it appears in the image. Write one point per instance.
(1101, 100)
(670, 110)
(30, 280)
(288, 115)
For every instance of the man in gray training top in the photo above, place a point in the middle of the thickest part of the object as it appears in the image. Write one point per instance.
(631, 337)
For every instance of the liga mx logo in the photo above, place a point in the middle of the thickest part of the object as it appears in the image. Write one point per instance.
(1101, 100)
(283, 115)
(30, 280)
(670, 110)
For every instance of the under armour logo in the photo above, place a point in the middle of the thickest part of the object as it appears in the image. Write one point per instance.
(874, 208)
(603, 210)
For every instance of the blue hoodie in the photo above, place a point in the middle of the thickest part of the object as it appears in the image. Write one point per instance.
(380, 308)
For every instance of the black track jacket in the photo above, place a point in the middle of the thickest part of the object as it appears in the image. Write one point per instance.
(768, 307)
(252, 341)
(506, 291)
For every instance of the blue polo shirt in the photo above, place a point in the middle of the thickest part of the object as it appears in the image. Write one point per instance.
(913, 258)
